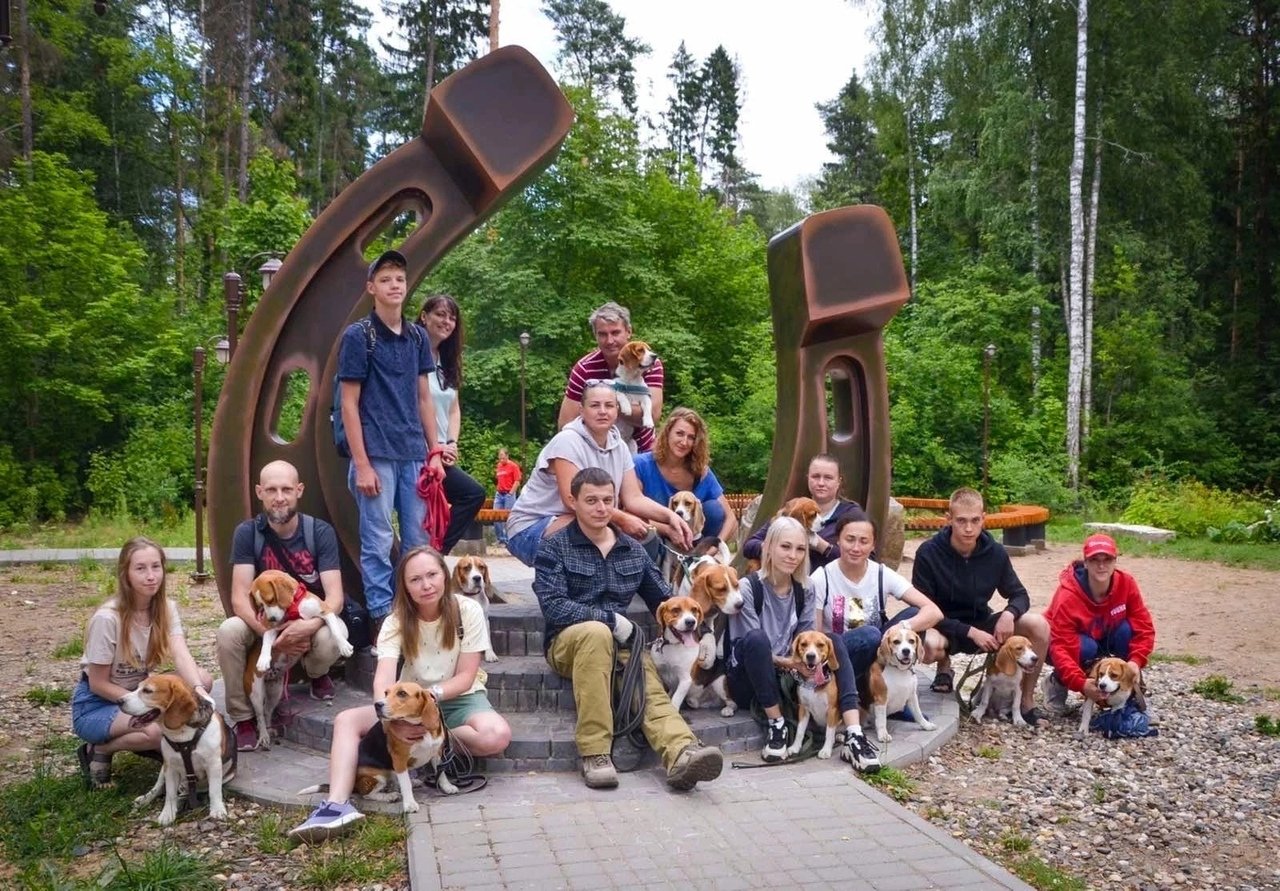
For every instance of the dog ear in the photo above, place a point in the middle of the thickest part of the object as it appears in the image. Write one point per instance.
(661, 612)
(1130, 676)
(181, 707)
(283, 586)
(1005, 663)
(884, 652)
(832, 662)
(484, 575)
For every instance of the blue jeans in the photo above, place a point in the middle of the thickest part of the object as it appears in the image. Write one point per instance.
(524, 545)
(1115, 643)
(753, 677)
(713, 511)
(503, 502)
(399, 491)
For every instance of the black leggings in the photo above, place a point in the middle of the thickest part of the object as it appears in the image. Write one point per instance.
(465, 497)
(753, 677)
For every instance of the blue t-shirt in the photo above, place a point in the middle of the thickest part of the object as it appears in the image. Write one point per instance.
(389, 376)
(655, 485)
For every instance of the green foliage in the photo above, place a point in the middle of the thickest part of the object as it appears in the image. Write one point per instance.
(1184, 658)
(373, 854)
(1012, 841)
(47, 696)
(72, 649)
(1187, 506)
(1217, 688)
(1265, 530)
(48, 815)
(595, 50)
(1038, 874)
(165, 869)
(149, 476)
(991, 753)
(1267, 725)
(891, 781)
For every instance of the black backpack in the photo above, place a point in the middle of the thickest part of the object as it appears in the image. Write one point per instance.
(757, 598)
(335, 411)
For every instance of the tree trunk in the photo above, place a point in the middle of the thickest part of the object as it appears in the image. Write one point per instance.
(431, 75)
(246, 84)
(1075, 272)
(1237, 270)
(175, 151)
(1091, 252)
(911, 195)
(494, 17)
(24, 80)
(1035, 248)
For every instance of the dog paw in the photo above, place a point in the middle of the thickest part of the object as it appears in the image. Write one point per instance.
(928, 725)
(263, 666)
(218, 813)
(728, 711)
(824, 753)
(490, 656)
(141, 801)
(1018, 722)
(884, 737)
(445, 787)
(794, 749)
(345, 648)
(410, 806)
(976, 717)
(166, 817)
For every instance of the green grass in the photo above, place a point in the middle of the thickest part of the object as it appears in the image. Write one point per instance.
(991, 753)
(1267, 725)
(1184, 658)
(160, 870)
(375, 853)
(72, 649)
(99, 532)
(1099, 793)
(1216, 687)
(892, 782)
(271, 834)
(1012, 841)
(1272, 694)
(84, 602)
(1038, 874)
(1068, 529)
(43, 695)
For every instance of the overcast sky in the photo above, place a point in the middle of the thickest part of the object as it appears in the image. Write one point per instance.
(791, 55)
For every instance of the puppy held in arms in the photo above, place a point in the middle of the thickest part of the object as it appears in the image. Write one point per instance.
(383, 756)
(628, 381)
(1002, 687)
(278, 599)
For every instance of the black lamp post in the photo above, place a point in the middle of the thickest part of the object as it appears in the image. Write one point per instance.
(988, 354)
(524, 347)
(222, 353)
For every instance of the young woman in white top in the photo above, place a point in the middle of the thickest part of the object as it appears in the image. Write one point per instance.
(441, 636)
(854, 578)
(443, 323)
(130, 636)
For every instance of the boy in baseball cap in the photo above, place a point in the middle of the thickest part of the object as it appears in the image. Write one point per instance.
(1097, 611)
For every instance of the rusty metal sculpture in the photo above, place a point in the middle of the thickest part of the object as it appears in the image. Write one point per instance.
(487, 131)
(835, 280)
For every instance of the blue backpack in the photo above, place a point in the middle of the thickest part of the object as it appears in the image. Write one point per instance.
(335, 412)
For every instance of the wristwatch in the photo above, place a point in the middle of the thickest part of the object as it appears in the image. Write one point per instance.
(437, 692)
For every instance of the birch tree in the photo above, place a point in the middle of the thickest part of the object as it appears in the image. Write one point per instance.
(1075, 295)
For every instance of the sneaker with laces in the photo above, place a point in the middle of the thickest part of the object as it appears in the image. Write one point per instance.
(598, 772)
(326, 821)
(322, 688)
(1055, 694)
(695, 764)
(861, 753)
(775, 747)
(246, 735)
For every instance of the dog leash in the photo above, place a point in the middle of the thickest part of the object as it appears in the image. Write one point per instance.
(627, 692)
(463, 764)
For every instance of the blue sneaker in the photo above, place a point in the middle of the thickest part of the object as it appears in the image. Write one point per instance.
(326, 821)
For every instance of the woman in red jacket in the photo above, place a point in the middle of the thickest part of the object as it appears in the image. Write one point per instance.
(1097, 611)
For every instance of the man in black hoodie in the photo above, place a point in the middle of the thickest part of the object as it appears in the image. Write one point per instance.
(959, 569)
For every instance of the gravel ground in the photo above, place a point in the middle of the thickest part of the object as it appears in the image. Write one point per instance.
(1196, 807)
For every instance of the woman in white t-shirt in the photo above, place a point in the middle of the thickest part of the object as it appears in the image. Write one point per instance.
(129, 636)
(441, 636)
(856, 587)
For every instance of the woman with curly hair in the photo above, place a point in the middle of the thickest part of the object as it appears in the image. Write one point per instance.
(680, 461)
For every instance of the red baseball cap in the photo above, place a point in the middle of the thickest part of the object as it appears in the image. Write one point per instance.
(1099, 544)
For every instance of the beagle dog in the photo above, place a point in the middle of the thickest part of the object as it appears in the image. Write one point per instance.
(279, 599)
(675, 651)
(634, 360)
(188, 722)
(1114, 677)
(893, 678)
(817, 694)
(383, 756)
(264, 690)
(1002, 687)
(471, 578)
(802, 509)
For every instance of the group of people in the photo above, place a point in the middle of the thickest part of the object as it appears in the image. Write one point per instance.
(590, 520)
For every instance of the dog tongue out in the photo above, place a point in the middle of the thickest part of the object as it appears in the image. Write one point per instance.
(819, 675)
(689, 638)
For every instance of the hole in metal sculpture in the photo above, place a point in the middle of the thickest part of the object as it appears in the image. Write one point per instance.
(845, 399)
(291, 405)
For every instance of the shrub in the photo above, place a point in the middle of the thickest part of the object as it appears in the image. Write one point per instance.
(1030, 479)
(1187, 506)
(1265, 530)
(150, 477)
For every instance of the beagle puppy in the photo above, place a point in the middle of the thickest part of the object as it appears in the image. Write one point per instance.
(814, 664)
(715, 588)
(383, 756)
(471, 578)
(1002, 687)
(185, 717)
(893, 678)
(1114, 677)
(264, 690)
(279, 599)
(802, 509)
(634, 360)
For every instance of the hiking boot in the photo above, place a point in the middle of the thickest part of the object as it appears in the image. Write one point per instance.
(598, 772)
(322, 688)
(775, 747)
(695, 764)
(246, 735)
(326, 821)
(1055, 694)
(1032, 717)
(861, 753)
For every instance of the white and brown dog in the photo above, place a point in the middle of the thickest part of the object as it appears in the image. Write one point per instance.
(279, 599)
(471, 579)
(1118, 680)
(803, 510)
(264, 690)
(685, 505)
(818, 696)
(188, 723)
(383, 756)
(634, 360)
(1002, 686)
(893, 679)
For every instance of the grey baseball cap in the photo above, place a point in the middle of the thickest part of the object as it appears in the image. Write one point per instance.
(383, 259)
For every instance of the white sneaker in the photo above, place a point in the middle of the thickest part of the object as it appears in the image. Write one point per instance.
(1055, 694)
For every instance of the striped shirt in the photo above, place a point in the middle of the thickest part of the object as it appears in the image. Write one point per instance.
(592, 367)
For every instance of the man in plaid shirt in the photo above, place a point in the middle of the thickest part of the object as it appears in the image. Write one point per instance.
(585, 576)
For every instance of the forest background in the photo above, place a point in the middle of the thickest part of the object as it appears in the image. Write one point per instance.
(1093, 187)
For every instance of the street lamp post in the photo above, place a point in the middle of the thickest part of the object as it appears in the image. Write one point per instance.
(524, 347)
(987, 355)
(222, 353)
(232, 295)
(268, 270)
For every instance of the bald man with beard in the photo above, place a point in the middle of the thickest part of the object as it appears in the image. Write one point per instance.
(277, 539)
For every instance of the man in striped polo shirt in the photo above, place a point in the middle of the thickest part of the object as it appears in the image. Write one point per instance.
(611, 325)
